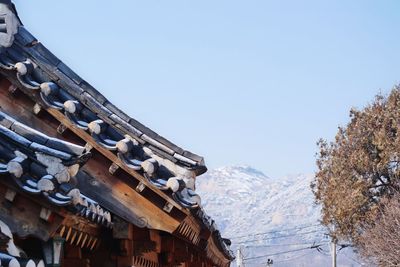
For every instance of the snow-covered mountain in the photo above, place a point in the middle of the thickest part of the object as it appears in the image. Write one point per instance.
(268, 218)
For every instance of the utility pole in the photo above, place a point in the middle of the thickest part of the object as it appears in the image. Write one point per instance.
(239, 258)
(333, 248)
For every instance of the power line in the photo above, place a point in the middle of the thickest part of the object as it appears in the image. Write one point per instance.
(284, 252)
(281, 245)
(277, 231)
(278, 237)
(275, 254)
(343, 246)
(322, 252)
(293, 258)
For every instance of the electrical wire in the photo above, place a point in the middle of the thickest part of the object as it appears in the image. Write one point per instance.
(322, 252)
(275, 254)
(277, 231)
(278, 237)
(281, 245)
(293, 258)
(283, 252)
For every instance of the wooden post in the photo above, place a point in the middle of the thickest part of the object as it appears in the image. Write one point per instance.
(123, 232)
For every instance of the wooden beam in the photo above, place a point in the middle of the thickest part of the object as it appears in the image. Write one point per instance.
(111, 156)
(156, 238)
(122, 229)
(117, 195)
(23, 214)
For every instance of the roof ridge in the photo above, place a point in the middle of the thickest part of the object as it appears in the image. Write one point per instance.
(90, 97)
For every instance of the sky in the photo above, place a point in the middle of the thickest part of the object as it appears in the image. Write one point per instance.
(239, 82)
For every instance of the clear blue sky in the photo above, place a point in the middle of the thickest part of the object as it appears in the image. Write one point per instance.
(238, 82)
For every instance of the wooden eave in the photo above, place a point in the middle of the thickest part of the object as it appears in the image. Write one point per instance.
(37, 192)
(116, 194)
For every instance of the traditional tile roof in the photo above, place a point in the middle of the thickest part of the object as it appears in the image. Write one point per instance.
(10, 254)
(8, 260)
(54, 86)
(222, 243)
(42, 165)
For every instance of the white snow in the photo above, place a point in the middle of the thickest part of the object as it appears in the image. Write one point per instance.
(245, 202)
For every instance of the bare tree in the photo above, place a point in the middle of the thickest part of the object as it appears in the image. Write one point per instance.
(380, 242)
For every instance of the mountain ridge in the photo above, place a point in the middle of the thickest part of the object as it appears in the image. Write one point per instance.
(247, 203)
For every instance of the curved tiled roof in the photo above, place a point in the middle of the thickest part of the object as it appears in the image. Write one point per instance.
(63, 89)
(42, 165)
(54, 86)
(8, 260)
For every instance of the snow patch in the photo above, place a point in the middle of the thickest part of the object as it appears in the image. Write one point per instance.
(245, 202)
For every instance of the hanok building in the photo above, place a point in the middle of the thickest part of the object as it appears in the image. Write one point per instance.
(82, 183)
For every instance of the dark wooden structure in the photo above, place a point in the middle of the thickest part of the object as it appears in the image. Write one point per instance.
(82, 183)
